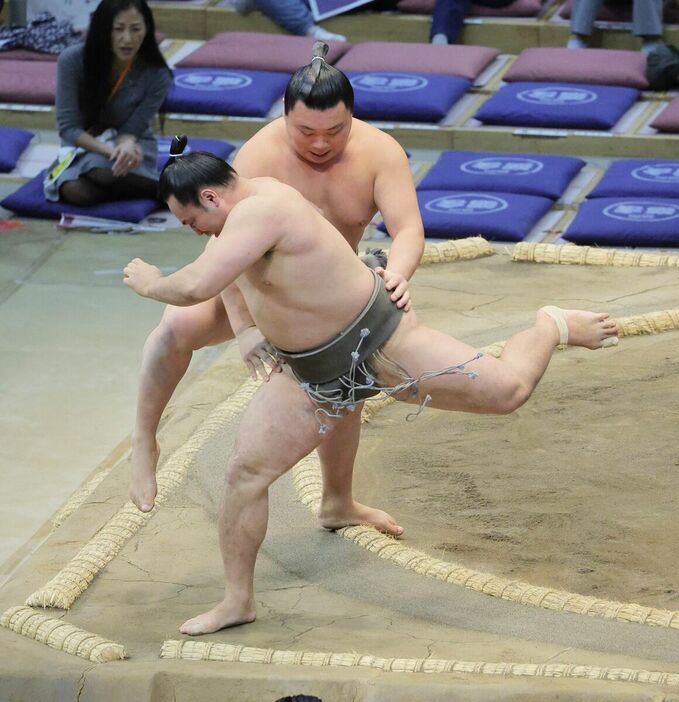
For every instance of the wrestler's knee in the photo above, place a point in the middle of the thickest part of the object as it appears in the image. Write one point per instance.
(512, 395)
(245, 474)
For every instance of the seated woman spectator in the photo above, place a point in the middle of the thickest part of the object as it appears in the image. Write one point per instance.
(108, 92)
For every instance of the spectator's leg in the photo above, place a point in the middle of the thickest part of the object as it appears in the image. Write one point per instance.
(647, 22)
(82, 192)
(582, 21)
(295, 17)
(448, 20)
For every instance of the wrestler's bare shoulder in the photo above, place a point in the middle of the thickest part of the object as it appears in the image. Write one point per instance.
(257, 153)
(374, 146)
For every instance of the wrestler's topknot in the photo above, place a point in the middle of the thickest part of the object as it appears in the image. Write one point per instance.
(319, 85)
(185, 175)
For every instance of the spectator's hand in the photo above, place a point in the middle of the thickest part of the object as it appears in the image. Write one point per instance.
(138, 275)
(256, 352)
(398, 286)
(126, 156)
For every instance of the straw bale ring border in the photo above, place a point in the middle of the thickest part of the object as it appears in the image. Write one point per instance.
(230, 653)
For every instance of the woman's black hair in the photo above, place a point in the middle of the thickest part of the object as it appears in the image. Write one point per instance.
(98, 54)
(318, 84)
(184, 176)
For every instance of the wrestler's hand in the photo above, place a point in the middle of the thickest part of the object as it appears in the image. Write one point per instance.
(126, 156)
(139, 275)
(398, 286)
(256, 352)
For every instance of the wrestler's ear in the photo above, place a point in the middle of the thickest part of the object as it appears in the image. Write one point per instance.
(209, 198)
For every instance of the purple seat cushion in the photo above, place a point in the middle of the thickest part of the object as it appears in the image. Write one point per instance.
(259, 51)
(413, 97)
(529, 174)
(668, 119)
(29, 201)
(498, 216)
(14, 141)
(518, 8)
(217, 91)
(31, 82)
(639, 178)
(592, 66)
(215, 146)
(557, 105)
(626, 222)
(452, 60)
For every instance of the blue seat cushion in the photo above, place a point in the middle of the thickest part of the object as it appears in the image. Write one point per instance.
(626, 221)
(13, 143)
(217, 147)
(639, 178)
(29, 201)
(529, 174)
(221, 91)
(498, 216)
(402, 96)
(557, 105)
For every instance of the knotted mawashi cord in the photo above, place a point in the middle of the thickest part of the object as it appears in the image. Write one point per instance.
(348, 380)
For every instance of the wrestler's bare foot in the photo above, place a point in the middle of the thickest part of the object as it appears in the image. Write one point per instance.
(225, 614)
(591, 330)
(143, 485)
(336, 518)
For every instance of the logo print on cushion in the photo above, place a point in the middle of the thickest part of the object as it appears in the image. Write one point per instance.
(389, 82)
(648, 211)
(502, 165)
(658, 172)
(557, 95)
(213, 80)
(467, 204)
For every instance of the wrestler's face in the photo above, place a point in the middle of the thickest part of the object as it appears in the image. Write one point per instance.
(318, 136)
(206, 219)
(127, 34)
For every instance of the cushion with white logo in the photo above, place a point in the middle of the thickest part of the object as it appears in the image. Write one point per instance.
(639, 178)
(218, 91)
(591, 66)
(29, 201)
(14, 142)
(498, 216)
(413, 97)
(626, 221)
(668, 119)
(557, 105)
(214, 146)
(451, 60)
(258, 51)
(530, 174)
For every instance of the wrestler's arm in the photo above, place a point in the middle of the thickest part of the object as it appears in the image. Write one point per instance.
(397, 202)
(248, 234)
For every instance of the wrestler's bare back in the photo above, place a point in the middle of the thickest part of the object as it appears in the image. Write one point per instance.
(297, 292)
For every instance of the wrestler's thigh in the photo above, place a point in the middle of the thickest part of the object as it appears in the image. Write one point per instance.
(196, 326)
(278, 428)
(419, 349)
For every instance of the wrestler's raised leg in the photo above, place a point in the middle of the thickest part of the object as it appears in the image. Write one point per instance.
(265, 449)
(337, 454)
(502, 385)
(166, 356)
